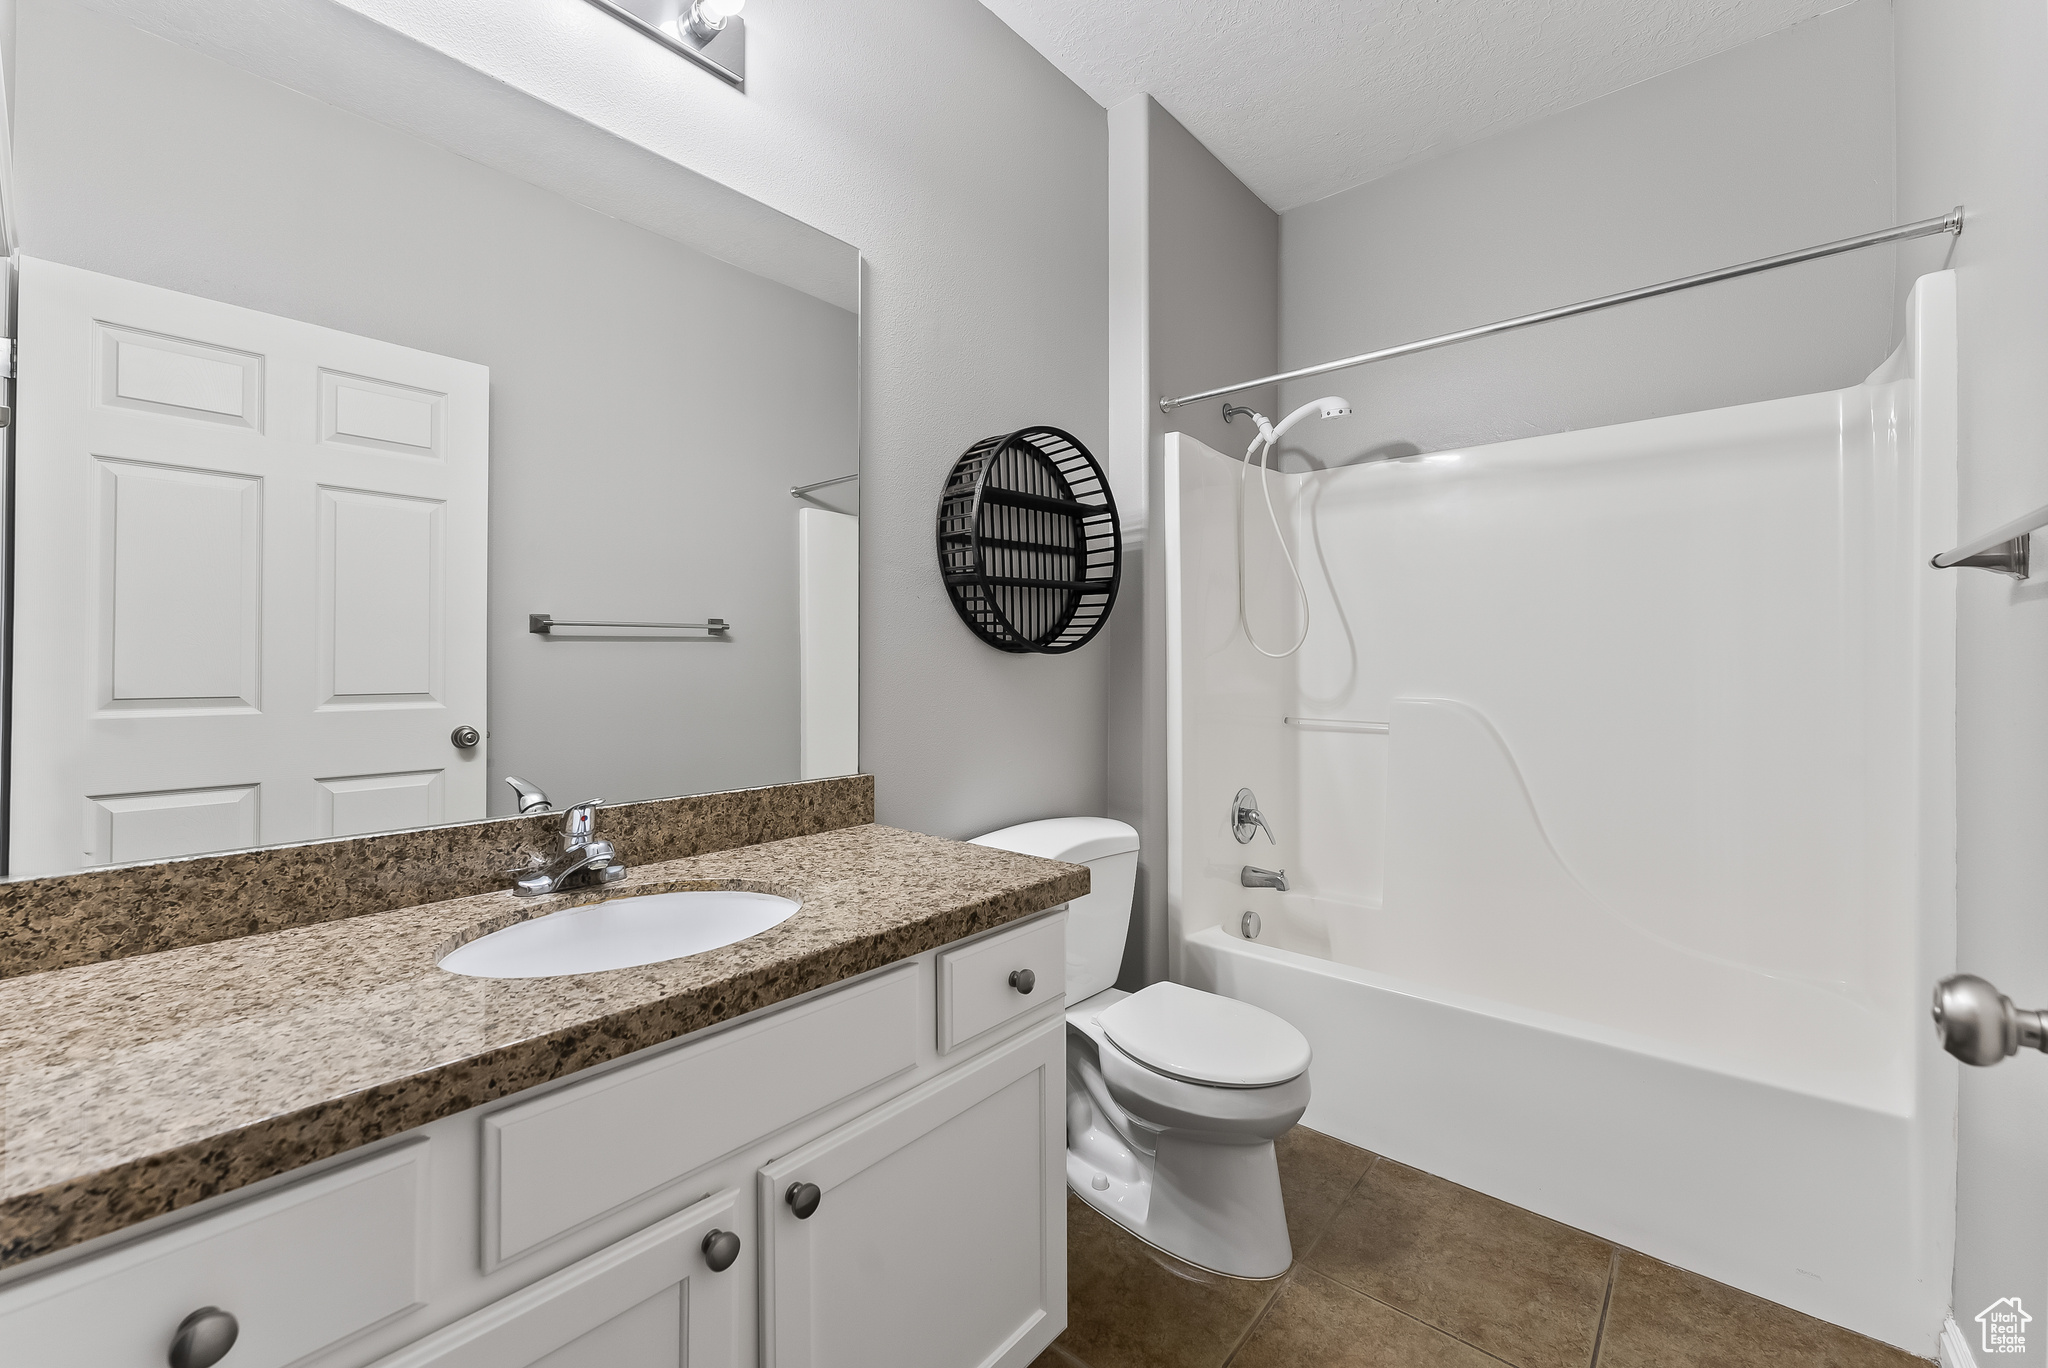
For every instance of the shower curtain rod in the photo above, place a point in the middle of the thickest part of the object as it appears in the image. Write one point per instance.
(1951, 222)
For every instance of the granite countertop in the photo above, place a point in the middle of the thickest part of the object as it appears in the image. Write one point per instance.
(142, 1085)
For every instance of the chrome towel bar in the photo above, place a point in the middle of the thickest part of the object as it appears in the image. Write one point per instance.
(2003, 549)
(541, 624)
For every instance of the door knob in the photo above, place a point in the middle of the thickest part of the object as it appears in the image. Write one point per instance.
(1023, 980)
(721, 1248)
(203, 1338)
(462, 738)
(803, 1199)
(1979, 1025)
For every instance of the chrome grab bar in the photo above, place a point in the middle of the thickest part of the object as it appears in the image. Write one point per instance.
(541, 624)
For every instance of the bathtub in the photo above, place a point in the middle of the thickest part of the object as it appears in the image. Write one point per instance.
(1614, 783)
(1805, 1199)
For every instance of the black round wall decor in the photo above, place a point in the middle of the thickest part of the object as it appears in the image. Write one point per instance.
(1029, 544)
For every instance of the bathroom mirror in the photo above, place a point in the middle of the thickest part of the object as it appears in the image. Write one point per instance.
(350, 380)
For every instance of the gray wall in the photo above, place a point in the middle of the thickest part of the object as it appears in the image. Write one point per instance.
(1973, 129)
(972, 176)
(1194, 303)
(1782, 143)
(650, 406)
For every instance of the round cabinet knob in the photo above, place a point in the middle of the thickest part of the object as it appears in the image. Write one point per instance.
(203, 1338)
(1023, 980)
(803, 1199)
(462, 738)
(721, 1248)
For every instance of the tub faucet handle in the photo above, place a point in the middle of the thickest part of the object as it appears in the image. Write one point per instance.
(1246, 821)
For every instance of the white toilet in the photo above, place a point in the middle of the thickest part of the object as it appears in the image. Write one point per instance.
(1174, 1096)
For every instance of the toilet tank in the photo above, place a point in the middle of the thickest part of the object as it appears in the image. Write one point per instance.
(1097, 923)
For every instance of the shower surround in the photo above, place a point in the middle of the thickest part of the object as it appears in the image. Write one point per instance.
(1615, 789)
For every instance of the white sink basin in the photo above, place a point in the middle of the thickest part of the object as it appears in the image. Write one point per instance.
(620, 934)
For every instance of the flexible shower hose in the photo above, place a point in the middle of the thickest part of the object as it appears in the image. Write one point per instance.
(1263, 444)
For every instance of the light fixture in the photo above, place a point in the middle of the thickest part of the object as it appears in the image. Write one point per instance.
(708, 32)
(706, 19)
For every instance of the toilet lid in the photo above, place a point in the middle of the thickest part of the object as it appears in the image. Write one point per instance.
(1203, 1038)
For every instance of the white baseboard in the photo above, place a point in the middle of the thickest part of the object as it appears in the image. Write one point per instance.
(1955, 1347)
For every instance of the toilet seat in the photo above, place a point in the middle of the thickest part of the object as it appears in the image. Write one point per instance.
(1204, 1038)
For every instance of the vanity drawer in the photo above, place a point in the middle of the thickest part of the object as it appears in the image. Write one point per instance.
(558, 1162)
(300, 1270)
(976, 993)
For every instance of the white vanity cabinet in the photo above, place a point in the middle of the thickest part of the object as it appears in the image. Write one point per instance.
(301, 1269)
(664, 1298)
(931, 1230)
(570, 1226)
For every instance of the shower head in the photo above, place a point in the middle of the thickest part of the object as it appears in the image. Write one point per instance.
(1330, 406)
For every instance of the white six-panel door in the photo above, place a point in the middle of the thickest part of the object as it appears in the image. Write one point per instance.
(249, 577)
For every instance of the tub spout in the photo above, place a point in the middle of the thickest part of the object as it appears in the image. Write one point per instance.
(1254, 877)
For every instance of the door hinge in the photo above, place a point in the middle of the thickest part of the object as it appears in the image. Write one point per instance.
(7, 360)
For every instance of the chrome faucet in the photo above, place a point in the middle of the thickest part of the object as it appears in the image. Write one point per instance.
(584, 857)
(1254, 877)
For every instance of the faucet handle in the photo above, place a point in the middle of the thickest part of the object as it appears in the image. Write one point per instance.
(1247, 821)
(581, 820)
(531, 798)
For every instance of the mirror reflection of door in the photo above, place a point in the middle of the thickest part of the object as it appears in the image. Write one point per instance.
(221, 367)
(250, 599)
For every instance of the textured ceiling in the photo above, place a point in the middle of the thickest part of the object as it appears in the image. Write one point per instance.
(1303, 98)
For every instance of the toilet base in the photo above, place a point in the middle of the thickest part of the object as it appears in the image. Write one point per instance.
(1217, 1207)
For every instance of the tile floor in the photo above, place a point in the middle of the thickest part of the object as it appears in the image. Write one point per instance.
(1394, 1268)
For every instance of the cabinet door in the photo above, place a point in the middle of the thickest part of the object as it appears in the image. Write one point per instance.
(301, 1270)
(938, 1239)
(650, 1301)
